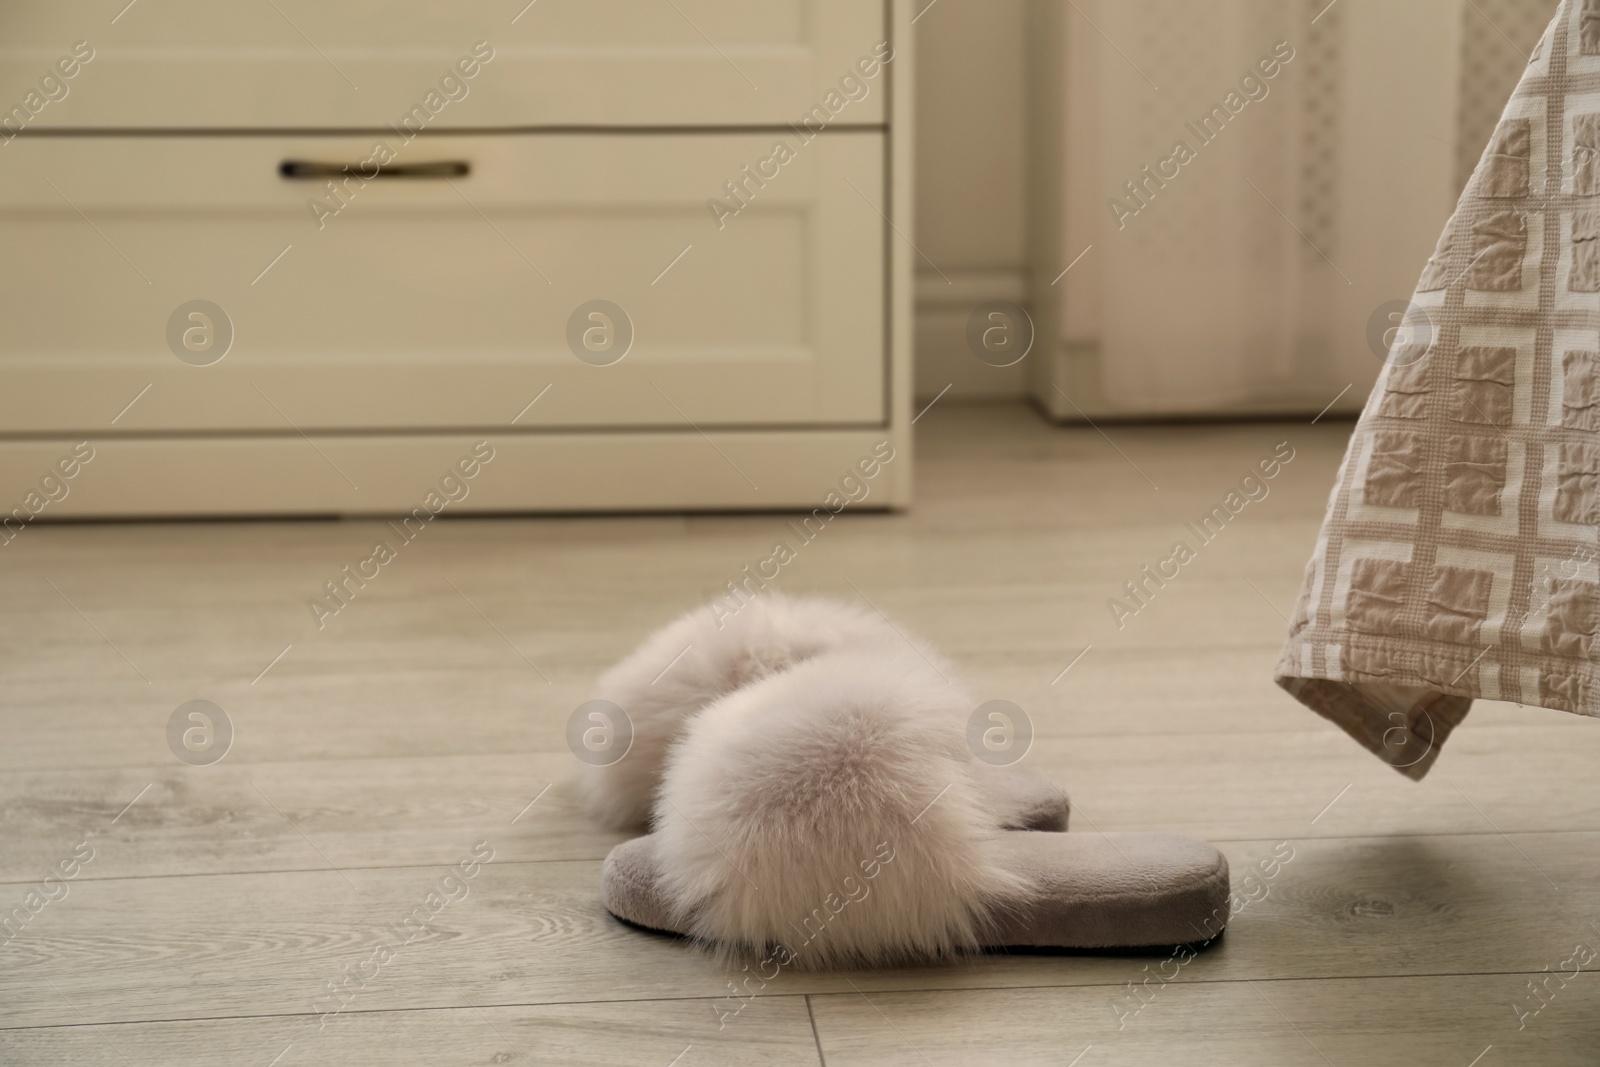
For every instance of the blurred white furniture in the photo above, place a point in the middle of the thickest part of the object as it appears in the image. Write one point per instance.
(373, 344)
(1247, 283)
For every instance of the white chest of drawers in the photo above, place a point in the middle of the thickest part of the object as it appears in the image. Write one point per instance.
(301, 258)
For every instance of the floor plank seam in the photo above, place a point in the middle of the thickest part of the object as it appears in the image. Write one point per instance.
(822, 1058)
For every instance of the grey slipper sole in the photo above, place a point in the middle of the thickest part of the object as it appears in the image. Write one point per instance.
(1120, 891)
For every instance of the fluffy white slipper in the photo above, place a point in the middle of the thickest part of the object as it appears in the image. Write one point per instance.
(698, 658)
(829, 815)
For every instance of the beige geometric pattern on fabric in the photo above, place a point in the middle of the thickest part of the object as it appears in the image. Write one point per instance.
(1459, 557)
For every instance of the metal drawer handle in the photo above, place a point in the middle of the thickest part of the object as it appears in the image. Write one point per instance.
(301, 168)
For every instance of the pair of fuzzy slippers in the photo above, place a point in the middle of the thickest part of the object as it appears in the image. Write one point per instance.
(804, 771)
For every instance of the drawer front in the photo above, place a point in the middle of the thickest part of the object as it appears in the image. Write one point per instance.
(294, 64)
(442, 301)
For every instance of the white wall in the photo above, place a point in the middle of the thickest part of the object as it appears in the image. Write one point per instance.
(972, 160)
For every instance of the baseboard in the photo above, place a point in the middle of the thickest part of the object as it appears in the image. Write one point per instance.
(944, 363)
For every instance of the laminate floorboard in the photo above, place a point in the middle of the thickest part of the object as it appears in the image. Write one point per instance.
(213, 946)
(241, 818)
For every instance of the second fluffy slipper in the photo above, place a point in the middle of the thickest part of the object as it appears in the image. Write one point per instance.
(700, 657)
(830, 816)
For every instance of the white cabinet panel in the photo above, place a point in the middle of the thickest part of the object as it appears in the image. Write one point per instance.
(442, 303)
(366, 63)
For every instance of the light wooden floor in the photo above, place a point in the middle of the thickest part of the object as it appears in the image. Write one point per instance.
(222, 900)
